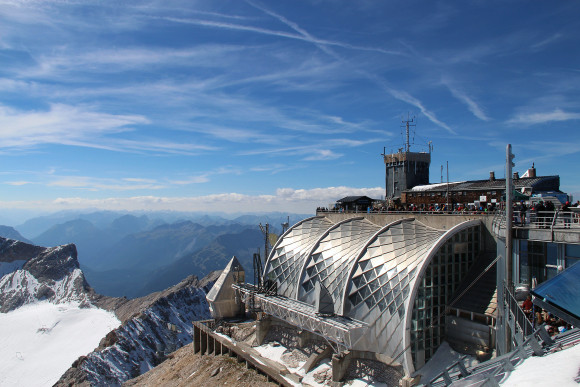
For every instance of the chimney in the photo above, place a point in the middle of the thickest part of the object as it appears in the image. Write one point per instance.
(491, 176)
(532, 171)
(516, 175)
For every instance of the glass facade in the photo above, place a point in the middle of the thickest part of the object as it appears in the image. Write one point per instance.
(572, 255)
(436, 289)
(538, 261)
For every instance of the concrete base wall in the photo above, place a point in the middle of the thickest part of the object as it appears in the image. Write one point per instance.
(206, 342)
(342, 360)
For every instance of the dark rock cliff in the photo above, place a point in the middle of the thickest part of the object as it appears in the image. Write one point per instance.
(33, 273)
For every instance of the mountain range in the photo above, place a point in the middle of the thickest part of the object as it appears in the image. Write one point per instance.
(134, 254)
(150, 327)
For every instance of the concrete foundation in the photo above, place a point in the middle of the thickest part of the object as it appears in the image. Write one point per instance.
(207, 342)
(341, 361)
(262, 328)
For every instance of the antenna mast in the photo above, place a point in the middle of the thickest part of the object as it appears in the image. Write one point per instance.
(266, 232)
(408, 123)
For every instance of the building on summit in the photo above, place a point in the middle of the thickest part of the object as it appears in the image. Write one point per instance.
(396, 279)
(405, 169)
(482, 192)
(394, 286)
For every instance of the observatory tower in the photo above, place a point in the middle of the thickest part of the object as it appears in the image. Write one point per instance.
(405, 169)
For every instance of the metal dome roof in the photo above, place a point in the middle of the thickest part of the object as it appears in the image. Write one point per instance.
(371, 272)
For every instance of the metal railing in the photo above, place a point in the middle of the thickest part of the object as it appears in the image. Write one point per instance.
(518, 321)
(418, 211)
(547, 219)
(489, 373)
(553, 220)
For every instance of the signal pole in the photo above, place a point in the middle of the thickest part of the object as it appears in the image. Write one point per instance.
(407, 125)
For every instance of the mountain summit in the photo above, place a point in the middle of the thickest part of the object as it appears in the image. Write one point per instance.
(33, 273)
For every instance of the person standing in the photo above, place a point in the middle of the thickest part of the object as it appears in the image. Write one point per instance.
(540, 213)
(567, 215)
(522, 208)
(550, 210)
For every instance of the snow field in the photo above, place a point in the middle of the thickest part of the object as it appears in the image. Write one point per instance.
(40, 341)
(554, 369)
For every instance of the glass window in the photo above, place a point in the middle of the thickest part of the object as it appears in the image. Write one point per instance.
(573, 251)
(441, 279)
(572, 255)
(552, 254)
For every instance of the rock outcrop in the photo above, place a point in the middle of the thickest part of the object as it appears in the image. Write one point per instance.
(152, 326)
(33, 273)
(159, 324)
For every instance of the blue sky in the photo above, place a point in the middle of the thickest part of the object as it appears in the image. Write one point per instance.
(276, 105)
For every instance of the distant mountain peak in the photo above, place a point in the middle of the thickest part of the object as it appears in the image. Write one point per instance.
(11, 233)
(32, 273)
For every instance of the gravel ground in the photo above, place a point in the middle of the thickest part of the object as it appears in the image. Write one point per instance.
(183, 368)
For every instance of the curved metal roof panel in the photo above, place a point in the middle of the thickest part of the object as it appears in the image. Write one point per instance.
(332, 257)
(290, 252)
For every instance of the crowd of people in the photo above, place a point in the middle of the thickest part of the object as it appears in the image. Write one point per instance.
(423, 208)
(537, 316)
(542, 214)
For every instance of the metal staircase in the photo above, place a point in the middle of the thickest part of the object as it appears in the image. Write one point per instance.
(492, 372)
(470, 317)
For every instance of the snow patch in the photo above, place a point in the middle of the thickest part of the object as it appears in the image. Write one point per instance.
(21, 284)
(309, 379)
(555, 369)
(45, 339)
(432, 186)
(271, 352)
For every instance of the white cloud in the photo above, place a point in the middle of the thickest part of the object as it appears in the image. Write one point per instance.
(64, 62)
(96, 184)
(471, 104)
(547, 41)
(81, 126)
(323, 154)
(543, 117)
(61, 124)
(284, 200)
(192, 180)
(406, 97)
(265, 31)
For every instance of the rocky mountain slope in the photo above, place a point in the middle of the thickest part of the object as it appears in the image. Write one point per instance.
(134, 254)
(32, 273)
(11, 233)
(153, 326)
(184, 368)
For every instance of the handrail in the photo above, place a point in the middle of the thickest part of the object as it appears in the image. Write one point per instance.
(520, 318)
(474, 281)
(554, 219)
(492, 367)
(425, 212)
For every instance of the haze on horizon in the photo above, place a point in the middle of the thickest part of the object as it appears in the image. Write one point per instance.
(240, 106)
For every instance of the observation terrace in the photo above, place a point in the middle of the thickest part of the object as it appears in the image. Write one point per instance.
(549, 226)
(435, 219)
